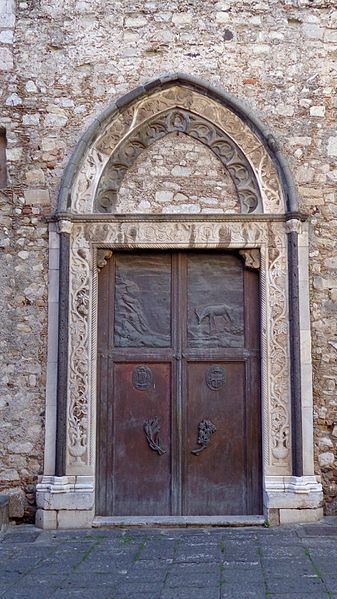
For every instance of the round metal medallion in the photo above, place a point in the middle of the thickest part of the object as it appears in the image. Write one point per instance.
(142, 378)
(215, 377)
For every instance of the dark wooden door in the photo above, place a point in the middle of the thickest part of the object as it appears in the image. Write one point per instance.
(179, 425)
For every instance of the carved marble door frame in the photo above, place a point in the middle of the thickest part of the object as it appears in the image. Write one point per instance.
(269, 233)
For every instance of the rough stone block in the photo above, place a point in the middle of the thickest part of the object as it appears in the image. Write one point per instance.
(75, 518)
(46, 519)
(135, 22)
(326, 459)
(4, 514)
(273, 516)
(65, 501)
(317, 110)
(6, 60)
(7, 19)
(17, 502)
(332, 146)
(6, 37)
(296, 516)
(37, 196)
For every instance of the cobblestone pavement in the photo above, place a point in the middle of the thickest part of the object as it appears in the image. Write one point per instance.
(298, 562)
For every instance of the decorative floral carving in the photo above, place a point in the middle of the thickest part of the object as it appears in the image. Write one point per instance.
(194, 126)
(102, 257)
(160, 233)
(251, 258)
(178, 234)
(294, 225)
(79, 362)
(269, 181)
(278, 353)
(86, 182)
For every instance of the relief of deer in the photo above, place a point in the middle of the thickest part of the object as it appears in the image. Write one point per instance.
(210, 312)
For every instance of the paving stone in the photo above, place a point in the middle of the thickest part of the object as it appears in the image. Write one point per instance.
(27, 537)
(174, 565)
(19, 565)
(331, 583)
(84, 594)
(283, 551)
(190, 593)
(237, 593)
(300, 584)
(235, 576)
(29, 593)
(314, 595)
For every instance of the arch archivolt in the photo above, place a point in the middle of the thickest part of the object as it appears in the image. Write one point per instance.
(177, 108)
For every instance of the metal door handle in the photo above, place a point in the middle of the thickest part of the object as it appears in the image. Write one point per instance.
(152, 430)
(206, 428)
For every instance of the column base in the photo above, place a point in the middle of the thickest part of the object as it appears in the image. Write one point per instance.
(68, 501)
(292, 499)
(65, 502)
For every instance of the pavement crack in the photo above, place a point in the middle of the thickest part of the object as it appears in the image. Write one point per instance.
(317, 571)
(139, 550)
(85, 555)
(259, 553)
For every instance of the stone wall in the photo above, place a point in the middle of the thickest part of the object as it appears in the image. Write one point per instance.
(178, 174)
(61, 64)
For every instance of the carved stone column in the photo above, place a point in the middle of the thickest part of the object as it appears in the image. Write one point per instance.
(65, 228)
(298, 498)
(293, 228)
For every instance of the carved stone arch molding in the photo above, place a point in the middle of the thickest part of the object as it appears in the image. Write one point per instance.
(200, 129)
(270, 235)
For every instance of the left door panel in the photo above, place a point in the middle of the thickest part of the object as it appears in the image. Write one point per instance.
(135, 360)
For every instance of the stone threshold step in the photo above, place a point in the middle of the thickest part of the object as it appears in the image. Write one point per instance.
(177, 521)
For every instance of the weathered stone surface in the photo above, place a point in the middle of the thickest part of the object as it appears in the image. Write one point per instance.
(17, 502)
(175, 172)
(131, 563)
(90, 53)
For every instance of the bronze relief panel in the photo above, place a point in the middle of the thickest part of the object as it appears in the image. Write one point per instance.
(214, 298)
(142, 301)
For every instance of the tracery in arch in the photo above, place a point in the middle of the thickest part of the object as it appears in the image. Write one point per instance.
(118, 138)
(194, 126)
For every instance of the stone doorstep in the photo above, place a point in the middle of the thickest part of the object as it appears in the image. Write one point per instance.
(178, 521)
(4, 513)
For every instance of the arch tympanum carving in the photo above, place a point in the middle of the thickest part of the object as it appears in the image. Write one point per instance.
(124, 131)
(200, 129)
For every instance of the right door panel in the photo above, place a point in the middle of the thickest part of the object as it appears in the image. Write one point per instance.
(214, 479)
(221, 437)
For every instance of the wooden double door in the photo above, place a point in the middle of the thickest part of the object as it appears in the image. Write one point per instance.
(179, 426)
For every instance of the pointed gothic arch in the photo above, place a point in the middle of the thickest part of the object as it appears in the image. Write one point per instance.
(89, 231)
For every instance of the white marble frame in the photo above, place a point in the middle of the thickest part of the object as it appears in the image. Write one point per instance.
(69, 500)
